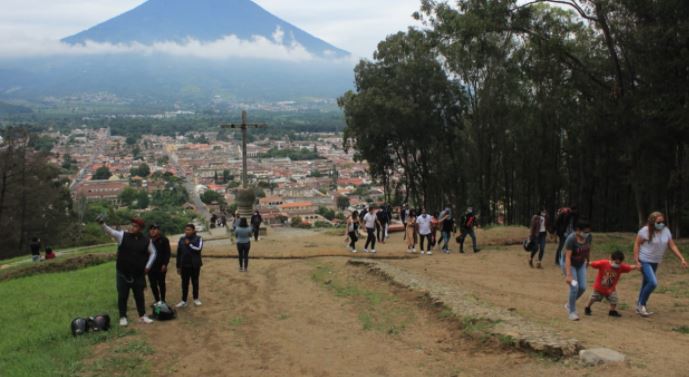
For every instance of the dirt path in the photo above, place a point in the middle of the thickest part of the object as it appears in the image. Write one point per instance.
(321, 317)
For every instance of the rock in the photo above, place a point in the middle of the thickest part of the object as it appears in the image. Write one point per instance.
(597, 356)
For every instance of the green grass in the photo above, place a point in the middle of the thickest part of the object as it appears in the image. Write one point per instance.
(682, 330)
(378, 309)
(35, 320)
(109, 248)
(237, 321)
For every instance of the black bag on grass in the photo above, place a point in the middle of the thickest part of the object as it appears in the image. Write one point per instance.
(100, 322)
(80, 326)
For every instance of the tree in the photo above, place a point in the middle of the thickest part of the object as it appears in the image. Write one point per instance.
(342, 202)
(210, 197)
(326, 212)
(128, 196)
(102, 173)
(144, 170)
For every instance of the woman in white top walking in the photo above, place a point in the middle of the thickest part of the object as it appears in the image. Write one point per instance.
(651, 244)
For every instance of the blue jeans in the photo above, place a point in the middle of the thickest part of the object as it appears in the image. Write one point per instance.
(649, 283)
(578, 274)
(446, 240)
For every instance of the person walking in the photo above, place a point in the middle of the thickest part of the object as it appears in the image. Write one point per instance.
(576, 260)
(424, 226)
(35, 247)
(256, 221)
(447, 228)
(370, 222)
(538, 238)
(353, 230)
(156, 277)
(565, 220)
(467, 229)
(410, 231)
(189, 263)
(652, 242)
(243, 233)
(382, 224)
(136, 255)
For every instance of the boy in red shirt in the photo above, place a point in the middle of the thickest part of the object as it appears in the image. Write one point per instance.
(609, 273)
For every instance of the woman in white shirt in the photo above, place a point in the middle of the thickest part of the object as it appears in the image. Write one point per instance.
(651, 244)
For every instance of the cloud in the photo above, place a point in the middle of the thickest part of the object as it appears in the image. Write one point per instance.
(230, 46)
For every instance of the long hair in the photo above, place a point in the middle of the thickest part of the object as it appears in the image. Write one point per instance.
(652, 223)
(355, 215)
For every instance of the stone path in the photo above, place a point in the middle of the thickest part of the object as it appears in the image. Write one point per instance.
(500, 323)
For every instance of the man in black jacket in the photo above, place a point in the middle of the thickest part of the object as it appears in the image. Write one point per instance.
(256, 221)
(135, 257)
(189, 263)
(156, 277)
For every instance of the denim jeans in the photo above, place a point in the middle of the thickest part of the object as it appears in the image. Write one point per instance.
(446, 240)
(559, 252)
(649, 283)
(539, 246)
(464, 235)
(578, 274)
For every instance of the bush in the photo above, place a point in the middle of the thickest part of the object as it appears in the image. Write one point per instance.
(322, 224)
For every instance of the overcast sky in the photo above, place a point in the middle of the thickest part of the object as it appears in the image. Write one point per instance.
(354, 25)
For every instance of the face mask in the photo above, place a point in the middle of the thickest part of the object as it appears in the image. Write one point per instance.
(660, 226)
(585, 235)
(615, 265)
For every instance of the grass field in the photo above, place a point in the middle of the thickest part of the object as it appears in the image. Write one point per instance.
(36, 339)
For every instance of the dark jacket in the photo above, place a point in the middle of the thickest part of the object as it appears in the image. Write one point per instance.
(132, 254)
(162, 245)
(468, 222)
(189, 255)
(35, 248)
(256, 220)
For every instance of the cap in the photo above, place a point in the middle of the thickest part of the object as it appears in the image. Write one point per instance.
(154, 226)
(139, 222)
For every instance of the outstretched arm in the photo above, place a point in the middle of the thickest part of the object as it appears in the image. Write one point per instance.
(118, 235)
(675, 249)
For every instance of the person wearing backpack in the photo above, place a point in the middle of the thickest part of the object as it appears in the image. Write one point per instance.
(467, 229)
(135, 257)
(189, 263)
(243, 233)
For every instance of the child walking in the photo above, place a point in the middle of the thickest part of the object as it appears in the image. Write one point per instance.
(609, 273)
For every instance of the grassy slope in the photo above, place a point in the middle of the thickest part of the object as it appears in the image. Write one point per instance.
(35, 320)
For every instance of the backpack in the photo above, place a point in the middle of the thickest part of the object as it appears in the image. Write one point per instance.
(468, 221)
(163, 312)
(100, 322)
(79, 326)
(529, 245)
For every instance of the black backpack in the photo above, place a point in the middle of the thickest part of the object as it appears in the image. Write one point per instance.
(80, 326)
(163, 312)
(100, 322)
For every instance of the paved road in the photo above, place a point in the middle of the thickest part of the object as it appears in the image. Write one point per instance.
(99, 150)
(200, 207)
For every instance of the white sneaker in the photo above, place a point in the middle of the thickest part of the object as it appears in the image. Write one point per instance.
(365, 250)
(573, 317)
(197, 303)
(409, 251)
(423, 252)
(429, 253)
(145, 319)
(373, 251)
(567, 307)
(181, 304)
(413, 251)
(642, 311)
(124, 322)
(353, 251)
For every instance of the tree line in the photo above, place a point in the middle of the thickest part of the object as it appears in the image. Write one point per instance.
(511, 106)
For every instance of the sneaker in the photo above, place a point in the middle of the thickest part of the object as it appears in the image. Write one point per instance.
(539, 266)
(198, 302)
(373, 251)
(181, 304)
(567, 307)
(423, 252)
(144, 319)
(614, 313)
(429, 252)
(353, 251)
(409, 251)
(641, 310)
(413, 251)
(365, 250)
(573, 317)
(588, 311)
(124, 322)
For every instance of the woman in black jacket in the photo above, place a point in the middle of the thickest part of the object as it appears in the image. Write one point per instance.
(189, 263)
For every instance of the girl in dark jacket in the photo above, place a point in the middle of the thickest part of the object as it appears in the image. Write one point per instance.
(189, 263)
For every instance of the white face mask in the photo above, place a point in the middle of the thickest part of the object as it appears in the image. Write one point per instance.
(585, 235)
(615, 265)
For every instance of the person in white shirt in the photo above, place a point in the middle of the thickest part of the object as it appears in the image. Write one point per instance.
(424, 227)
(652, 242)
(370, 220)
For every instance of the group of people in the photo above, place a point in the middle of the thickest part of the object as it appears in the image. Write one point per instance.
(35, 247)
(573, 257)
(421, 229)
(140, 256)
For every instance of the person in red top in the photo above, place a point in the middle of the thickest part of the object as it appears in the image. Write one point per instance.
(609, 273)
